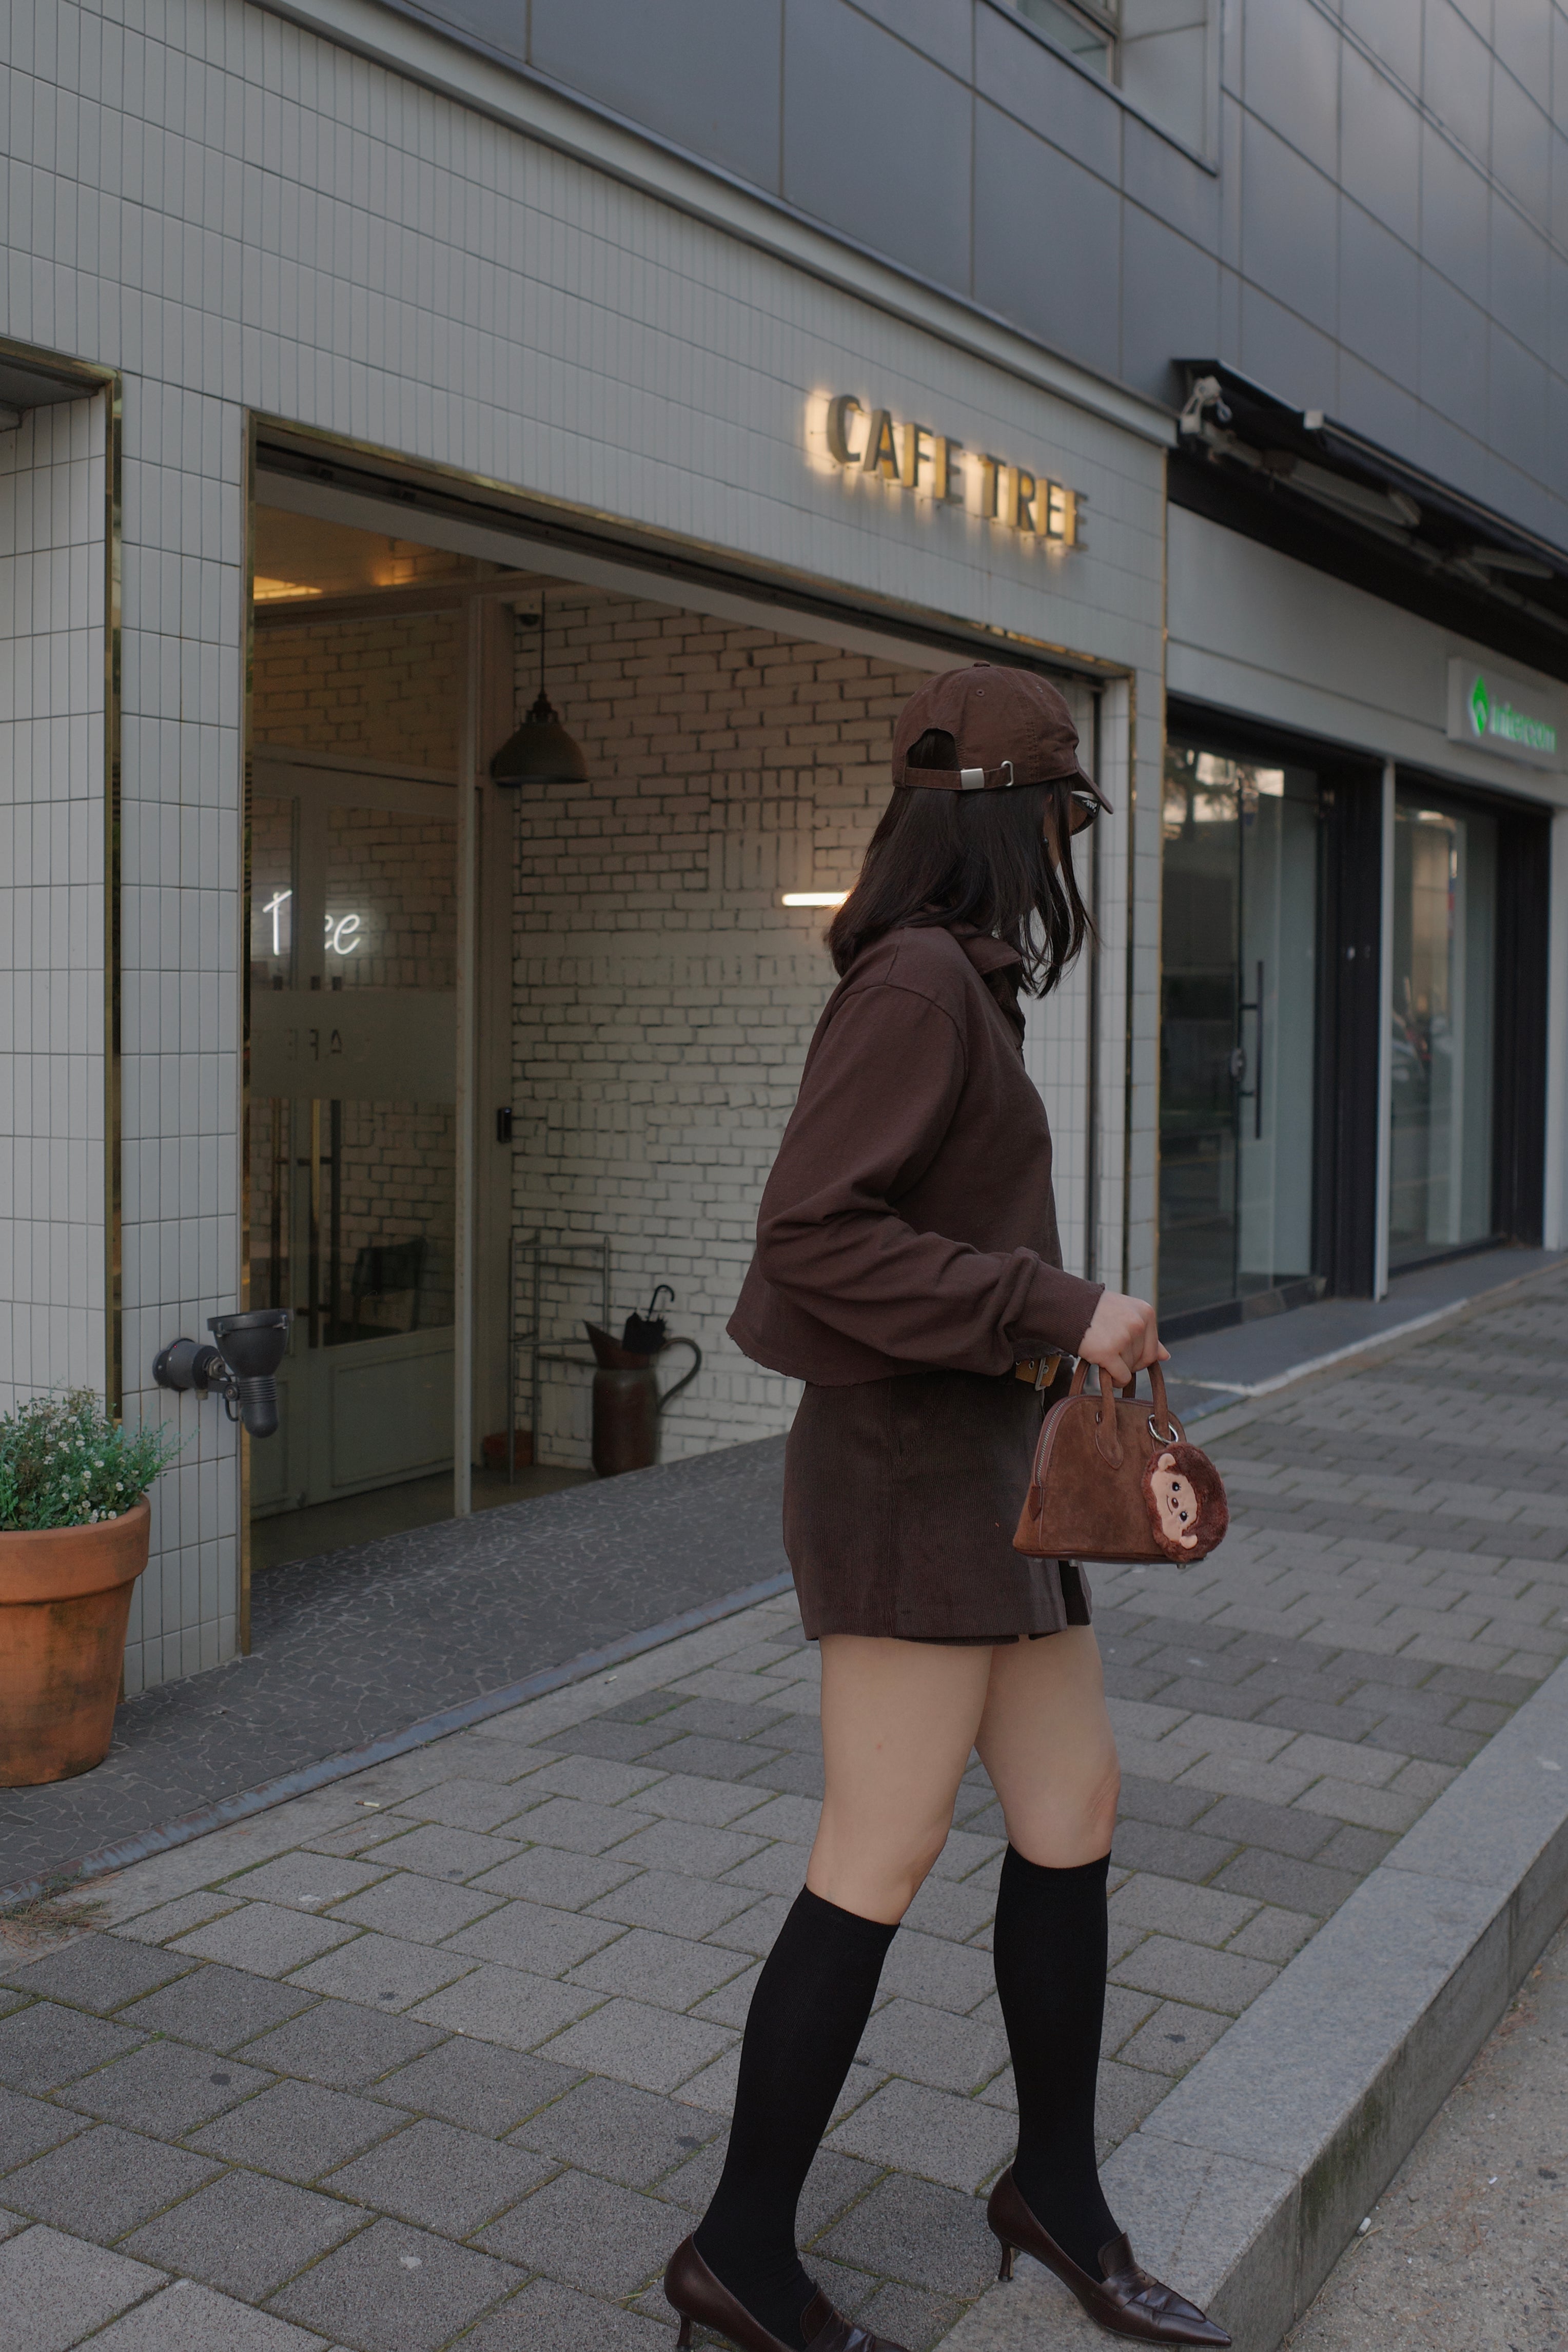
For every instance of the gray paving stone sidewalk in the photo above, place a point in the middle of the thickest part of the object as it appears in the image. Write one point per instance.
(444, 2053)
(351, 1645)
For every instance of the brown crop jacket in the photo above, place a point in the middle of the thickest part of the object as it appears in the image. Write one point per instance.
(909, 1222)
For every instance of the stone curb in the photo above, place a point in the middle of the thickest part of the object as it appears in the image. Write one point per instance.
(1229, 1414)
(1247, 2182)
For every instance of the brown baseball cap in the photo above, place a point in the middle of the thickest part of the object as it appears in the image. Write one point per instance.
(1003, 727)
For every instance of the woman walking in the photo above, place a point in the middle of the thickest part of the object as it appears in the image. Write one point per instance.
(908, 1270)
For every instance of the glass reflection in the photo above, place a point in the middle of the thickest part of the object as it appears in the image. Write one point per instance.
(271, 892)
(1239, 1027)
(391, 913)
(1445, 951)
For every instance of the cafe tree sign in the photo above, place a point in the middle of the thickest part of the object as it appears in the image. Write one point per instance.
(864, 444)
(1494, 712)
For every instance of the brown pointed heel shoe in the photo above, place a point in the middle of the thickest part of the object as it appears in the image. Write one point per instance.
(1126, 2301)
(690, 2287)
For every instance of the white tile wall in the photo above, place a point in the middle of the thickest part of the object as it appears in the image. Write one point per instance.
(239, 215)
(184, 541)
(53, 548)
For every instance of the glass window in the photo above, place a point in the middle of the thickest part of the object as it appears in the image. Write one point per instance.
(352, 1212)
(389, 1187)
(1088, 32)
(352, 1132)
(1239, 1028)
(391, 915)
(1445, 957)
(271, 891)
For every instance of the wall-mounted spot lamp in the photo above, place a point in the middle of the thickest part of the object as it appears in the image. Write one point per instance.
(240, 1368)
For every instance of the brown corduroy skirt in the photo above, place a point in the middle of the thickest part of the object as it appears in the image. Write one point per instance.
(900, 1499)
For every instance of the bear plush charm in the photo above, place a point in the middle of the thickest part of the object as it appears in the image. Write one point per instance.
(1187, 1508)
(1113, 1480)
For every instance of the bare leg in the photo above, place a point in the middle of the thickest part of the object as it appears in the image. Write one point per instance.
(899, 1720)
(1044, 1738)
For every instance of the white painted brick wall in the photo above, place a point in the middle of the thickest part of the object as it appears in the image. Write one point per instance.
(384, 689)
(663, 998)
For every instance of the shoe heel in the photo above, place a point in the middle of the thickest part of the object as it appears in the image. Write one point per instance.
(1004, 2270)
(683, 2340)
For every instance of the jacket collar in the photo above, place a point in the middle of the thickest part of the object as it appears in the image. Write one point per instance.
(987, 954)
(999, 966)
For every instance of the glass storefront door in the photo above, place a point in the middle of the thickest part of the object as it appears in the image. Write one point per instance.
(1238, 1029)
(1444, 1028)
(352, 1125)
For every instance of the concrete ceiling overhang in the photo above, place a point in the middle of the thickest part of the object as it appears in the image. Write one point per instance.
(1320, 490)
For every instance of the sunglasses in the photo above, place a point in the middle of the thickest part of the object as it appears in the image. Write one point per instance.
(1085, 809)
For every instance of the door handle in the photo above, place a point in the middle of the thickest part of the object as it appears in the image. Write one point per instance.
(1253, 1004)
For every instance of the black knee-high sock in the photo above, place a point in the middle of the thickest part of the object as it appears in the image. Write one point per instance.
(1050, 1952)
(807, 2014)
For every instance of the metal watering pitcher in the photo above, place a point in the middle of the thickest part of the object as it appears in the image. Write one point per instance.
(627, 1399)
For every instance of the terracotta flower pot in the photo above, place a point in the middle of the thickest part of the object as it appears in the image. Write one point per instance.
(65, 1600)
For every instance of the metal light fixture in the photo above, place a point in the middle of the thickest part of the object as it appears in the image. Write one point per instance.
(239, 1368)
(540, 752)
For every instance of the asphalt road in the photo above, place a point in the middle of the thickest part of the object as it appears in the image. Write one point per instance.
(1468, 2250)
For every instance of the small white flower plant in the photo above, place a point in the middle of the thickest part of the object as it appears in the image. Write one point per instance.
(65, 1464)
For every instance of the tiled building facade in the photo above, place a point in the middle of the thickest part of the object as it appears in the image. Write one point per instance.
(350, 270)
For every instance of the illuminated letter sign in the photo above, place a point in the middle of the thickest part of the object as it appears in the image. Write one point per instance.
(862, 438)
(1491, 711)
(341, 936)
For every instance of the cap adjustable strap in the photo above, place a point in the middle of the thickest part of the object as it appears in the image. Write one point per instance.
(974, 780)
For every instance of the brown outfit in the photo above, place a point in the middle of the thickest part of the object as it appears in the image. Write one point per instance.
(907, 1257)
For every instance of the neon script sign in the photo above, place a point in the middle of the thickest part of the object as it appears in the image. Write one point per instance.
(862, 440)
(342, 932)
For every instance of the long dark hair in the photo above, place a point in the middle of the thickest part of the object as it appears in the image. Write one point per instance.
(941, 857)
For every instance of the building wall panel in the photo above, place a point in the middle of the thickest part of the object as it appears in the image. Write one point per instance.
(53, 1272)
(1438, 120)
(241, 216)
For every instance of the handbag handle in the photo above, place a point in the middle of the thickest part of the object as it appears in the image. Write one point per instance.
(1174, 1433)
(1163, 1427)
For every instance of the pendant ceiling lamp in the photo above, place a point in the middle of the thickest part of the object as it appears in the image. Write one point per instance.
(540, 752)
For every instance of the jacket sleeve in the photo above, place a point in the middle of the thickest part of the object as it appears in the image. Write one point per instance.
(878, 1095)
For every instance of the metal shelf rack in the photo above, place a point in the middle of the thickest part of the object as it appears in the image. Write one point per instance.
(539, 1253)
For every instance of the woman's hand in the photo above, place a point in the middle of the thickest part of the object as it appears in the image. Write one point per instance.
(1122, 1337)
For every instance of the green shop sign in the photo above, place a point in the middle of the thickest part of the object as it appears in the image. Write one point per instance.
(1508, 716)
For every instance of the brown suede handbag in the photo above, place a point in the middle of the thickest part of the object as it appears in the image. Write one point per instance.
(1115, 1481)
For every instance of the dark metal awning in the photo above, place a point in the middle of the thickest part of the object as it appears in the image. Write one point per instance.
(1319, 489)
